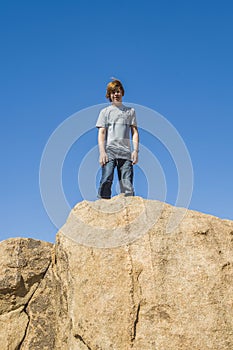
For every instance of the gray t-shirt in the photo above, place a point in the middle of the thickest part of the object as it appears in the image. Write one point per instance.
(117, 120)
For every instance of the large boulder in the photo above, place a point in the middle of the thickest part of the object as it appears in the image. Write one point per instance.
(23, 265)
(125, 273)
(133, 283)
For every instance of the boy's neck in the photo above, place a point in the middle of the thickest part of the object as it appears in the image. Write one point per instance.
(117, 104)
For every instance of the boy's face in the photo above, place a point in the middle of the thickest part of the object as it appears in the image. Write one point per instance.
(116, 96)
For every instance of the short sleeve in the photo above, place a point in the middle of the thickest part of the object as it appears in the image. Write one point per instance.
(133, 117)
(101, 121)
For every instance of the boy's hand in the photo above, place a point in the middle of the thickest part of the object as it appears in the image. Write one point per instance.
(134, 157)
(103, 159)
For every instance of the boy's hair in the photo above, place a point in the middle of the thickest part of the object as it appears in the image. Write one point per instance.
(112, 86)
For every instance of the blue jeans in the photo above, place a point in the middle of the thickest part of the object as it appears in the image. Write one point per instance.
(125, 176)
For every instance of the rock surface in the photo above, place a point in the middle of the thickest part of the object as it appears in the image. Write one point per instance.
(120, 280)
(23, 265)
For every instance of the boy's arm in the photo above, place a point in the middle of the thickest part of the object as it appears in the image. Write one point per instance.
(103, 159)
(135, 139)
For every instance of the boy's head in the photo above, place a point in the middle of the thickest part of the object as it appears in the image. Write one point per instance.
(114, 86)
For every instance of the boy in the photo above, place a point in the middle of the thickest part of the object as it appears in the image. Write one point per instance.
(115, 123)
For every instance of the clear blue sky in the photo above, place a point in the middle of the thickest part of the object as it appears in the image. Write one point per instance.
(174, 57)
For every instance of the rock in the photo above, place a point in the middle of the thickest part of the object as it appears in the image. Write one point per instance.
(41, 311)
(126, 273)
(23, 264)
(13, 325)
(158, 290)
